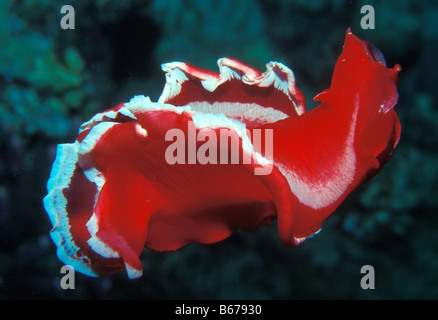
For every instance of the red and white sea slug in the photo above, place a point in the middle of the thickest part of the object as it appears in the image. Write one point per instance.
(219, 152)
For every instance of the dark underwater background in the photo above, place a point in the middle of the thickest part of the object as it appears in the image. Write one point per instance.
(52, 80)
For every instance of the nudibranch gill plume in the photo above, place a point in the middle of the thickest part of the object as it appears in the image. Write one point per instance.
(218, 152)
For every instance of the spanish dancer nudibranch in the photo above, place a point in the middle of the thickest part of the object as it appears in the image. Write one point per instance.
(219, 152)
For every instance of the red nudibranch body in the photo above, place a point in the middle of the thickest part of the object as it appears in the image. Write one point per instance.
(219, 152)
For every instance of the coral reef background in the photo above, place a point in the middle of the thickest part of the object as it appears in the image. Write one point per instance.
(52, 80)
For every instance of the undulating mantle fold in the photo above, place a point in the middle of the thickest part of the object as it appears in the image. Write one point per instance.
(217, 152)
